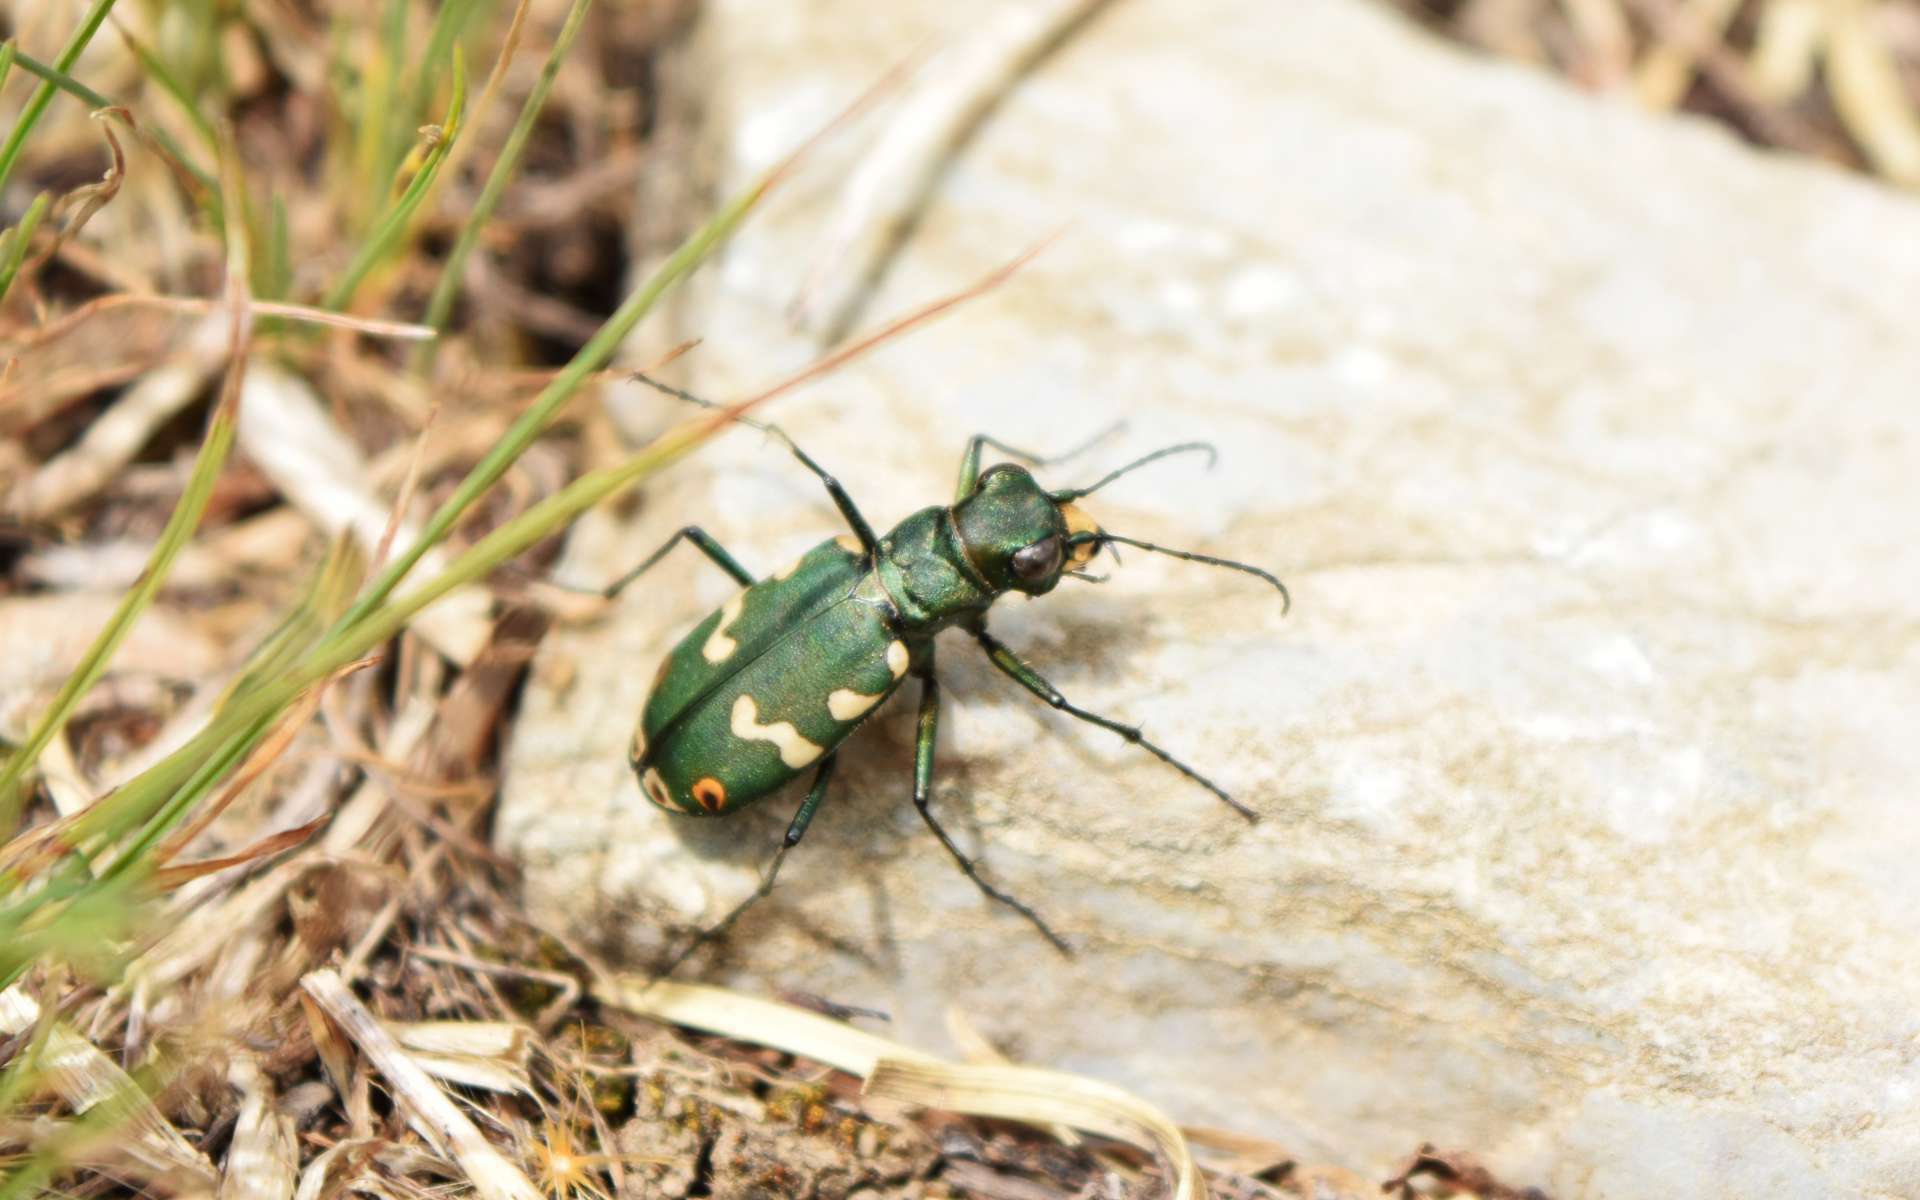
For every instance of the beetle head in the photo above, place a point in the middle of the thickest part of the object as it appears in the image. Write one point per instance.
(1017, 535)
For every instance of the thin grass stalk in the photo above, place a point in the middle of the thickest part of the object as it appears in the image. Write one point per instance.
(43, 95)
(390, 124)
(184, 519)
(449, 22)
(393, 226)
(440, 305)
(60, 79)
(170, 83)
(528, 426)
(13, 252)
(159, 137)
(7, 51)
(181, 523)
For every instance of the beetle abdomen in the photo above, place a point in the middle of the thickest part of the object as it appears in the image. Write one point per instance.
(779, 714)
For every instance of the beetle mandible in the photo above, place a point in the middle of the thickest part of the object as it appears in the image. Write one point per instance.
(769, 685)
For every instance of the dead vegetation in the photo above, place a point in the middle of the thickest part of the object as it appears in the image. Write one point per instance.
(281, 282)
(1834, 79)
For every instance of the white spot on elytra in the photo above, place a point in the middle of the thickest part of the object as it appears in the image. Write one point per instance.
(897, 658)
(719, 646)
(657, 789)
(795, 750)
(845, 704)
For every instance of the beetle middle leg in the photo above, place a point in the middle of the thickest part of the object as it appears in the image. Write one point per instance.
(1012, 665)
(869, 544)
(796, 829)
(922, 795)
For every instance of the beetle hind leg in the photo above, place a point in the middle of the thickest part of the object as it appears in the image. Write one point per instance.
(869, 543)
(703, 541)
(796, 829)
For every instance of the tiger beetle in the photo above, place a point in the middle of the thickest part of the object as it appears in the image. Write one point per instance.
(772, 683)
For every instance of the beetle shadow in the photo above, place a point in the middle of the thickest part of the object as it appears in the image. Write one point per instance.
(868, 815)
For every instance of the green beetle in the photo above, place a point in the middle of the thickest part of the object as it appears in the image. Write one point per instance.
(769, 686)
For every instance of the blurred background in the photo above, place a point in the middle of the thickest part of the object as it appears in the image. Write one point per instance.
(1558, 353)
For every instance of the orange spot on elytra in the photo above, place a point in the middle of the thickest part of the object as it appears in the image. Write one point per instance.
(710, 792)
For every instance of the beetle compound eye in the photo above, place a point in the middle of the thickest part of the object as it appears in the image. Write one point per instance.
(1036, 562)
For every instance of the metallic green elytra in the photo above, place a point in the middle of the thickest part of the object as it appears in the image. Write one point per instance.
(769, 686)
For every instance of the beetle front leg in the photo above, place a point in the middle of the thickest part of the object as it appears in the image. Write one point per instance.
(923, 794)
(970, 461)
(1027, 677)
(796, 829)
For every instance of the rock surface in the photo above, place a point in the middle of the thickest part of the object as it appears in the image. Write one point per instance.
(1587, 757)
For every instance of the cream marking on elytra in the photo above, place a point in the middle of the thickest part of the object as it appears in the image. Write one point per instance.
(795, 750)
(787, 571)
(850, 544)
(719, 646)
(638, 750)
(845, 704)
(897, 658)
(657, 790)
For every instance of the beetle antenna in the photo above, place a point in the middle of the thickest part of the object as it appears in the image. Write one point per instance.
(1164, 452)
(1102, 536)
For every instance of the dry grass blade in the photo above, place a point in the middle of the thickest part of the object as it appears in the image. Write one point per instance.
(167, 878)
(112, 440)
(263, 1162)
(945, 103)
(1786, 47)
(433, 1113)
(147, 1143)
(286, 431)
(1042, 1098)
(1872, 100)
(894, 1071)
(491, 1055)
(751, 1019)
(1667, 70)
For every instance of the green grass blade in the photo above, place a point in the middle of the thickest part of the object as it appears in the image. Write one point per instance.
(96, 101)
(440, 306)
(171, 84)
(181, 523)
(7, 51)
(393, 226)
(13, 252)
(449, 22)
(61, 80)
(43, 95)
(594, 355)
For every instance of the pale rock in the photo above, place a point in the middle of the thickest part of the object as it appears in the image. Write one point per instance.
(1586, 442)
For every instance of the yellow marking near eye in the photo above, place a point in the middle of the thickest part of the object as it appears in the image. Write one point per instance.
(711, 793)
(897, 658)
(638, 750)
(850, 544)
(795, 750)
(1079, 522)
(719, 646)
(845, 704)
(656, 789)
